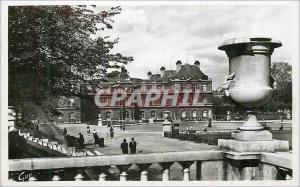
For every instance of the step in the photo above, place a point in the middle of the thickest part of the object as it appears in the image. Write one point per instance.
(98, 153)
(45, 140)
(35, 139)
(89, 153)
(53, 143)
(45, 144)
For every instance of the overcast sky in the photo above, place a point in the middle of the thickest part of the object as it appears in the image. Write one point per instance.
(158, 36)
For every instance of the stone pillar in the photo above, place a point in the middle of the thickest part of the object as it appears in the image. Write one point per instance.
(269, 172)
(186, 169)
(144, 172)
(212, 170)
(166, 170)
(198, 170)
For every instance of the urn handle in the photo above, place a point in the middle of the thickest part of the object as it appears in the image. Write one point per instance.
(228, 83)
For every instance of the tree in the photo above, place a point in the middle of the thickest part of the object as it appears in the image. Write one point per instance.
(282, 73)
(51, 50)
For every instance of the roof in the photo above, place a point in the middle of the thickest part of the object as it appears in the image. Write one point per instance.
(191, 72)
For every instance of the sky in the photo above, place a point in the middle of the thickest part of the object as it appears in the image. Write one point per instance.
(159, 35)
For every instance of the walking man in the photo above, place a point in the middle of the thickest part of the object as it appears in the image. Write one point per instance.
(132, 146)
(111, 132)
(124, 147)
(88, 130)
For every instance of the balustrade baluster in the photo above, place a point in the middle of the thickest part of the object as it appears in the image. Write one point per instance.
(79, 177)
(123, 171)
(186, 169)
(57, 175)
(102, 177)
(144, 172)
(166, 170)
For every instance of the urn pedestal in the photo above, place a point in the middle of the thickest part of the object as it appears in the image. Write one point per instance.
(250, 85)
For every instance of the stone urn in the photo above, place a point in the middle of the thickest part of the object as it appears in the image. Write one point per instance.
(249, 83)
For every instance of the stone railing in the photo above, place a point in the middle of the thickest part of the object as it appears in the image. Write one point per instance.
(210, 165)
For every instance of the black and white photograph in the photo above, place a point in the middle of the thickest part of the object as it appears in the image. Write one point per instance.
(101, 93)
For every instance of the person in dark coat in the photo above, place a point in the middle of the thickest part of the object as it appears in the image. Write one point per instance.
(132, 146)
(111, 132)
(124, 147)
(96, 138)
(65, 131)
(81, 140)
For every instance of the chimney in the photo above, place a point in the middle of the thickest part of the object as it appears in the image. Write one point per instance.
(178, 65)
(149, 75)
(162, 71)
(197, 63)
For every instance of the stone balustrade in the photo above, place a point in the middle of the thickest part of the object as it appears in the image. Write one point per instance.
(210, 165)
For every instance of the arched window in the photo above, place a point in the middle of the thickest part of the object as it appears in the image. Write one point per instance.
(108, 115)
(194, 114)
(72, 116)
(183, 114)
(143, 114)
(204, 114)
(60, 116)
(153, 114)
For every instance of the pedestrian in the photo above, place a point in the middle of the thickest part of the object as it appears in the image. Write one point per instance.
(132, 146)
(111, 132)
(96, 139)
(65, 131)
(88, 130)
(94, 132)
(124, 147)
(205, 130)
(81, 140)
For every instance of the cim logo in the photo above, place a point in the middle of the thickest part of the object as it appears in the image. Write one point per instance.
(24, 176)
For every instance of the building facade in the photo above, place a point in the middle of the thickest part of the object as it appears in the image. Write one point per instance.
(187, 82)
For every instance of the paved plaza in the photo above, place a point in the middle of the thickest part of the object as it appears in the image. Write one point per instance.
(148, 141)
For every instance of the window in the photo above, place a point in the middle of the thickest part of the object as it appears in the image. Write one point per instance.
(194, 114)
(204, 114)
(183, 114)
(143, 114)
(127, 114)
(72, 116)
(204, 87)
(153, 114)
(193, 88)
(108, 115)
(61, 116)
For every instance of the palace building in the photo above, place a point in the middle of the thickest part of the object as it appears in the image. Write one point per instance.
(184, 93)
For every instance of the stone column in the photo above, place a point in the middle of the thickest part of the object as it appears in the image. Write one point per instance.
(166, 170)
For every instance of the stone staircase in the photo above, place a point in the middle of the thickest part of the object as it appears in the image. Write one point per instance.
(53, 145)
